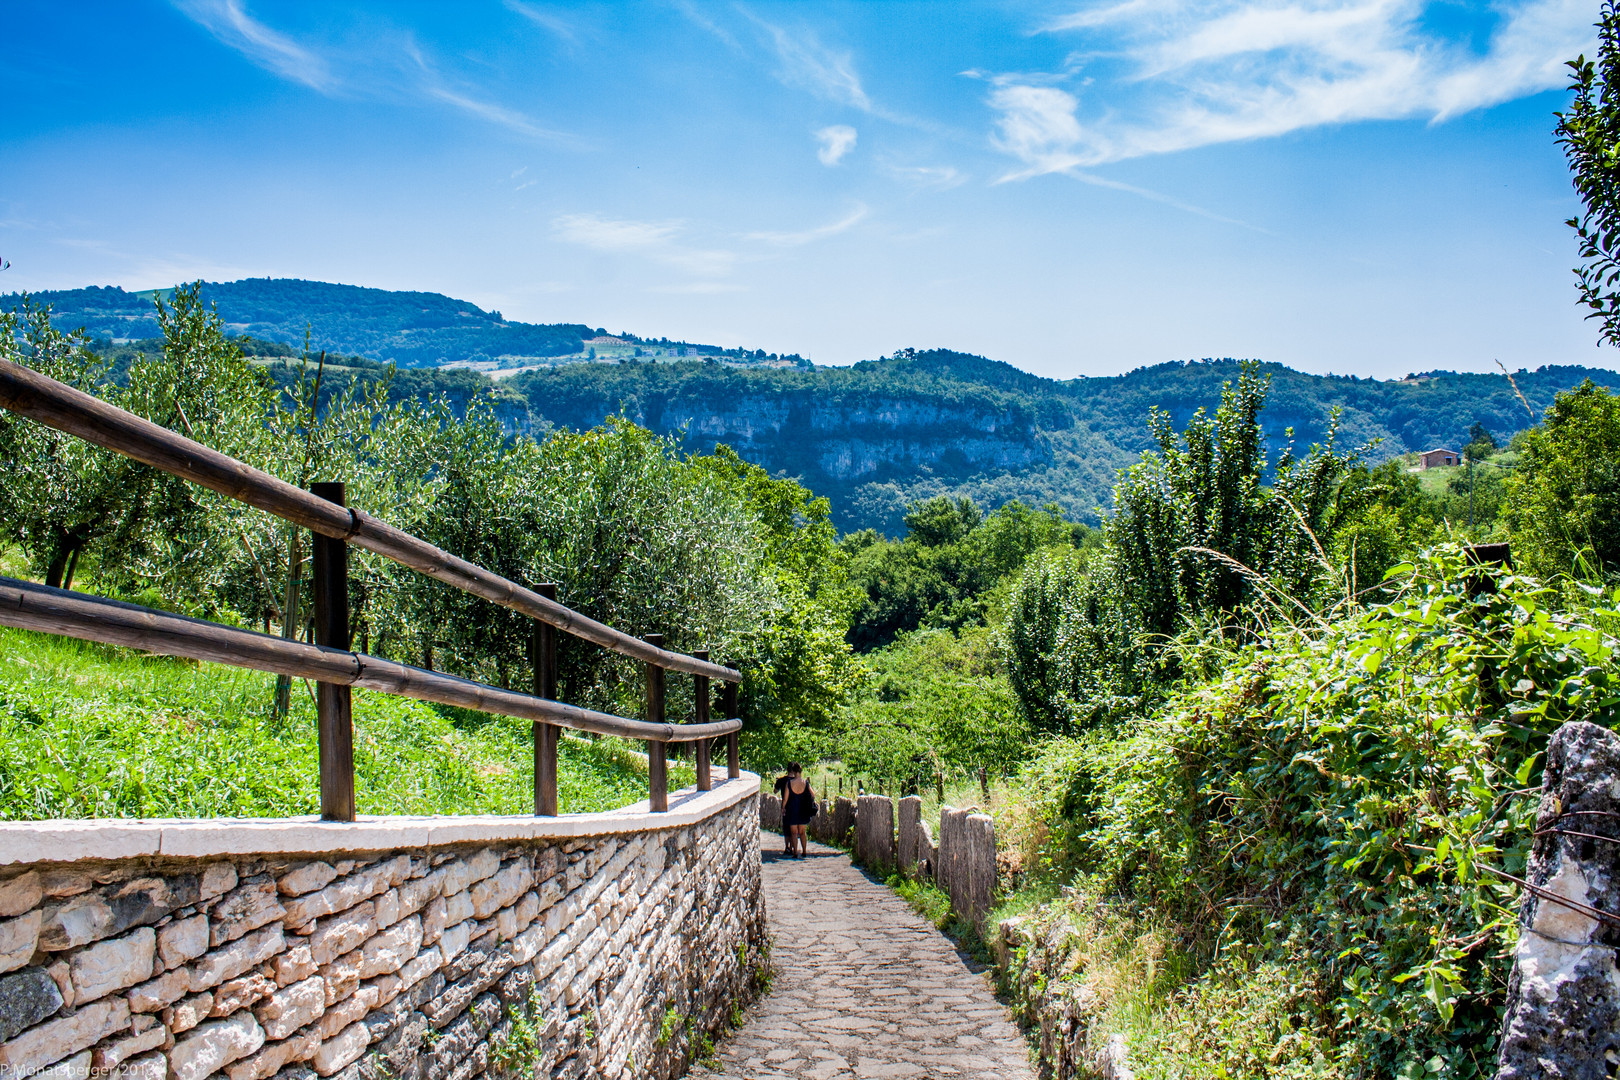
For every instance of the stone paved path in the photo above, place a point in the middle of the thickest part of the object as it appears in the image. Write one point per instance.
(864, 988)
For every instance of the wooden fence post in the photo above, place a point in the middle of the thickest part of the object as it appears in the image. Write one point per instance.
(700, 715)
(335, 722)
(543, 645)
(657, 766)
(728, 702)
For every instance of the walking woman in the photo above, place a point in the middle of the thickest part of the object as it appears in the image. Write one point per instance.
(798, 807)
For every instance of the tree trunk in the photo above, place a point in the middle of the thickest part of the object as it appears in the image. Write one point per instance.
(289, 616)
(73, 564)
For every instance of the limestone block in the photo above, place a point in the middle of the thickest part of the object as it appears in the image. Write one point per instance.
(434, 919)
(770, 813)
(111, 1054)
(386, 911)
(187, 1013)
(250, 905)
(214, 1045)
(92, 916)
(352, 1008)
(113, 964)
(295, 964)
(60, 883)
(20, 893)
(910, 819)
(482, 865)
(420, 967)
(152, 1066)
(156, 994)
(306, 878)
(454, 940)
(26, 998)
(218, 878)
(182, 940)
(76, 1067)
(272, 1057)
(229, 961)
(19, 940)
(342, 977)
(78, 921)
(338, 1051)
(56, 1039)
(528, 906)
(240, 993)
(501, 889)
(346, 892)
(388, 951)
(342, 933)
(415, 894)
(457, 907)
(291, 1008)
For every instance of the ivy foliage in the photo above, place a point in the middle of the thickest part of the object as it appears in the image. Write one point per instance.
(1339, 798)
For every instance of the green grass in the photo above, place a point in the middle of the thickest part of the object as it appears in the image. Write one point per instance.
(96, 731)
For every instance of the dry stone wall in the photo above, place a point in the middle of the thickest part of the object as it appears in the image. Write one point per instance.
(552, 956)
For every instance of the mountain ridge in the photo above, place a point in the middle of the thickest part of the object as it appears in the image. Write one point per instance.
(874, 436)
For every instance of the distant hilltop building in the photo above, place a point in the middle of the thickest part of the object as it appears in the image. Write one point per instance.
(1429, 459)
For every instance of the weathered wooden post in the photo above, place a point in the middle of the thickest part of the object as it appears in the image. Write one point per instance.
(334, 720)
(657, 765)
(700, 715)
(728, 702)
(543, 647)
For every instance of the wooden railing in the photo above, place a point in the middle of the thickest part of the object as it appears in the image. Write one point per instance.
(329, 661)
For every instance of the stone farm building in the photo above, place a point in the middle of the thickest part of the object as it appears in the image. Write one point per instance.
(1430, 458)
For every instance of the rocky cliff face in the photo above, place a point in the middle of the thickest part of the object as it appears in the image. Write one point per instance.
(877, 437)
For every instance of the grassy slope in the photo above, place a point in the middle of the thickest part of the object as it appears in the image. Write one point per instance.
(94, 731)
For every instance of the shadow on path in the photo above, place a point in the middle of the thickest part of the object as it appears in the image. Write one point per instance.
(865, 987)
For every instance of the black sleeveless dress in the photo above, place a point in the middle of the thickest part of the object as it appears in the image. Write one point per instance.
(798, 807)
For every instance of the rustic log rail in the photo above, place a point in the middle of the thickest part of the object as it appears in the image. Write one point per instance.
(329, 661)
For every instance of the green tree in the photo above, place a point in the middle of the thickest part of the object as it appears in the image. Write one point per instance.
(1564, 498)
(1589, 131)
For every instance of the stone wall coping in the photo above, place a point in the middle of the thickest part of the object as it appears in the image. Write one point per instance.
(71, 840)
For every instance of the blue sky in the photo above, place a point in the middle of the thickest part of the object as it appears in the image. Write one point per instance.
(1357, 186)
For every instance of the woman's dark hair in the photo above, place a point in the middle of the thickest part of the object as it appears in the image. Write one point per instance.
(794, 768)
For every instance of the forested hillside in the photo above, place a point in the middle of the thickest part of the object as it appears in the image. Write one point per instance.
(874, 438)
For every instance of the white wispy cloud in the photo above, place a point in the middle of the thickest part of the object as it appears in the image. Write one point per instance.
(434, 87)
(805, 62)
(229, 21)
(810, 236)
(941, 177)
(655, 240)
(545, 19)
(836, 141)
(1168, 75)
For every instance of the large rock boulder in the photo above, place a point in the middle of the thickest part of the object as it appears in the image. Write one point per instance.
(1563, 1012)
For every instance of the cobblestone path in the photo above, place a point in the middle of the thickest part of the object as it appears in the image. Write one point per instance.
(864, 988)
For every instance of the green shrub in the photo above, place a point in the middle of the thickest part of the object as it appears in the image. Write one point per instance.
(1333, 800)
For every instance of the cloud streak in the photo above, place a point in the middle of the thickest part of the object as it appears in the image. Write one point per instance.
(1163, 76)
(229, 22)
(810, 236)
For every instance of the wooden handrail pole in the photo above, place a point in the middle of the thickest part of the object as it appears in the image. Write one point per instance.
(334, 718)
(700, 715)
(544, 648)
(728, 702)
(657, 767)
